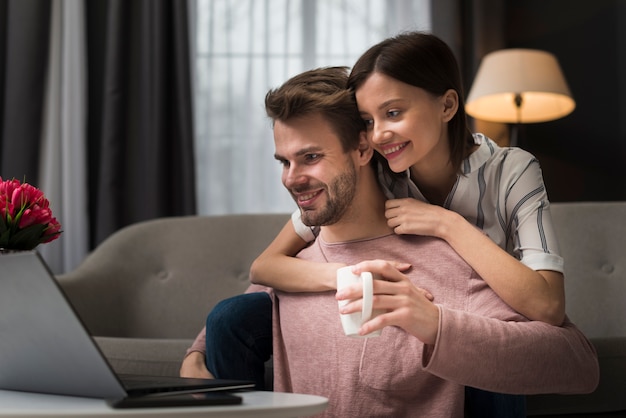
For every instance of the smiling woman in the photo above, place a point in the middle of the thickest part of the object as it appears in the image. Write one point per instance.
(242, 49)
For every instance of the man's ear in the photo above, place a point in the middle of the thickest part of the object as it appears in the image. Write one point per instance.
(450, 104)
(365, 149)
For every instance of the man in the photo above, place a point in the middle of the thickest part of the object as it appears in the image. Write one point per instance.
(428, 350)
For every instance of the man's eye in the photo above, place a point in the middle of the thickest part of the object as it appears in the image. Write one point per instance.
(284, 163)
(312, 157)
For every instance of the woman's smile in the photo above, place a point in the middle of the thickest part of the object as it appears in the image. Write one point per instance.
(391, 151)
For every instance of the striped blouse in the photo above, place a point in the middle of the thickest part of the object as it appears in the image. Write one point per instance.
(501, 191)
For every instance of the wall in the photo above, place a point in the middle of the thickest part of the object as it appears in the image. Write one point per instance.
(583, 155)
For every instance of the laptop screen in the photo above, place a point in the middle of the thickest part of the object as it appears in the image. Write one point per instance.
(44, 345)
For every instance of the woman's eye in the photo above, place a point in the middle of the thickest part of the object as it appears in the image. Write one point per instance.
(368, 123)
(393, 113)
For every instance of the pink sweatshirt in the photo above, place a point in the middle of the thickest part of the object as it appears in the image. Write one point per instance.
(481, 342)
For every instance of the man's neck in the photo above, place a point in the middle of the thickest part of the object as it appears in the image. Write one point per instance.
(364, 219)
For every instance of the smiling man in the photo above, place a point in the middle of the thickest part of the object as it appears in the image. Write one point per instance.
(338, 194)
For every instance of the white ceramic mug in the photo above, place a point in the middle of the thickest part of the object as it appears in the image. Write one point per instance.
(352, 322)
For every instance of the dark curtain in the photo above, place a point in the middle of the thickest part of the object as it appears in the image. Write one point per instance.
(24, 33)
(140, 113)
(139, 129)
(472, 28)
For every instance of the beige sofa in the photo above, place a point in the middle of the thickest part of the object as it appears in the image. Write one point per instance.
(145, 292)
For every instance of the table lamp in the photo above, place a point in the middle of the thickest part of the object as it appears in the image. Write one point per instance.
(519, 86)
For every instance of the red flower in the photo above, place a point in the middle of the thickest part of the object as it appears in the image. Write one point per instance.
(25, 216)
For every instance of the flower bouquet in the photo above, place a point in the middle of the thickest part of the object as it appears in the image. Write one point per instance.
(25, 217)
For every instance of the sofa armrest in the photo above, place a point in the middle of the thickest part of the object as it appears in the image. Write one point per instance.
(160, 278)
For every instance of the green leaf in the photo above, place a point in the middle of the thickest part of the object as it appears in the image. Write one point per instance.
(4, 238)
(28, 238)
(3, 225)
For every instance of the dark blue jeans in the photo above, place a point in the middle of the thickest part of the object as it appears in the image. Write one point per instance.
(483, 404)
(239, 342)
(239, 338)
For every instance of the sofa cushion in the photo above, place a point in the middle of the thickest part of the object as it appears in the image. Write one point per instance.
(608, 397)
(154, 357)
(592, 237)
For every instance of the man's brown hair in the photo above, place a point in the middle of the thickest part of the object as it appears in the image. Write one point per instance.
(320, 91)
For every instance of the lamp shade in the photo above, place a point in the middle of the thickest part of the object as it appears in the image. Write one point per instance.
(519, 86)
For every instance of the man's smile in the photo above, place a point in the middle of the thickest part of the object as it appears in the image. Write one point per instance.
(306, 199)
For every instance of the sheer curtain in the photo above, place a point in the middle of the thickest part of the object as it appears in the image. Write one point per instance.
(63, 167)
(244, 48)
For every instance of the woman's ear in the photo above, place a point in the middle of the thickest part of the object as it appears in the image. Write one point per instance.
(365, 149)
(450, 104)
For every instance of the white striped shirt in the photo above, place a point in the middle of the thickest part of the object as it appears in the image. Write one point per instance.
(501, 191)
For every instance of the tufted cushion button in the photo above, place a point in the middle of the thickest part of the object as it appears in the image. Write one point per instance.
(608, 268)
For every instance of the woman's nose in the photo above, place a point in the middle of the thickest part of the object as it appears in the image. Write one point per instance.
(379, 134)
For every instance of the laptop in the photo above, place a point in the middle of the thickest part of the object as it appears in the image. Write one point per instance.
(45, 348)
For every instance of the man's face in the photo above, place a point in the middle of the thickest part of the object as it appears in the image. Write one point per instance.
(319, 175)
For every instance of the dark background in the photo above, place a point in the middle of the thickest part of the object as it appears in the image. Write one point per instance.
(584, 154)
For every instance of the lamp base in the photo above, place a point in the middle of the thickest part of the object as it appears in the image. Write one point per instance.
(516, 136)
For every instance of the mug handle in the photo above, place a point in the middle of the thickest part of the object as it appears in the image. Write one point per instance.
(368, 294)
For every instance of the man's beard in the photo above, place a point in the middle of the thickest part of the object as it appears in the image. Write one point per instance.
(340, 195)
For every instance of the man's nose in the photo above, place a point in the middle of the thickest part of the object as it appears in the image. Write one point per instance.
(293, 176)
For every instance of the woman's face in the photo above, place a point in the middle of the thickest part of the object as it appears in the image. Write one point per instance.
(406, 124)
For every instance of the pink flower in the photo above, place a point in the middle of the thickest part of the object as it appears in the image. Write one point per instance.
(7, 186)
(27, 195)
(6, 208)
(25, 216)
(52, 232)
(35, 215)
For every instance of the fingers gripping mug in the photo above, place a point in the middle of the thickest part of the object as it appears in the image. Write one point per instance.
(352, 322)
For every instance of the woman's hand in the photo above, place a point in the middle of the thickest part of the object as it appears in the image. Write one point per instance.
(406, 305)
(412, 216)
(538, 295)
